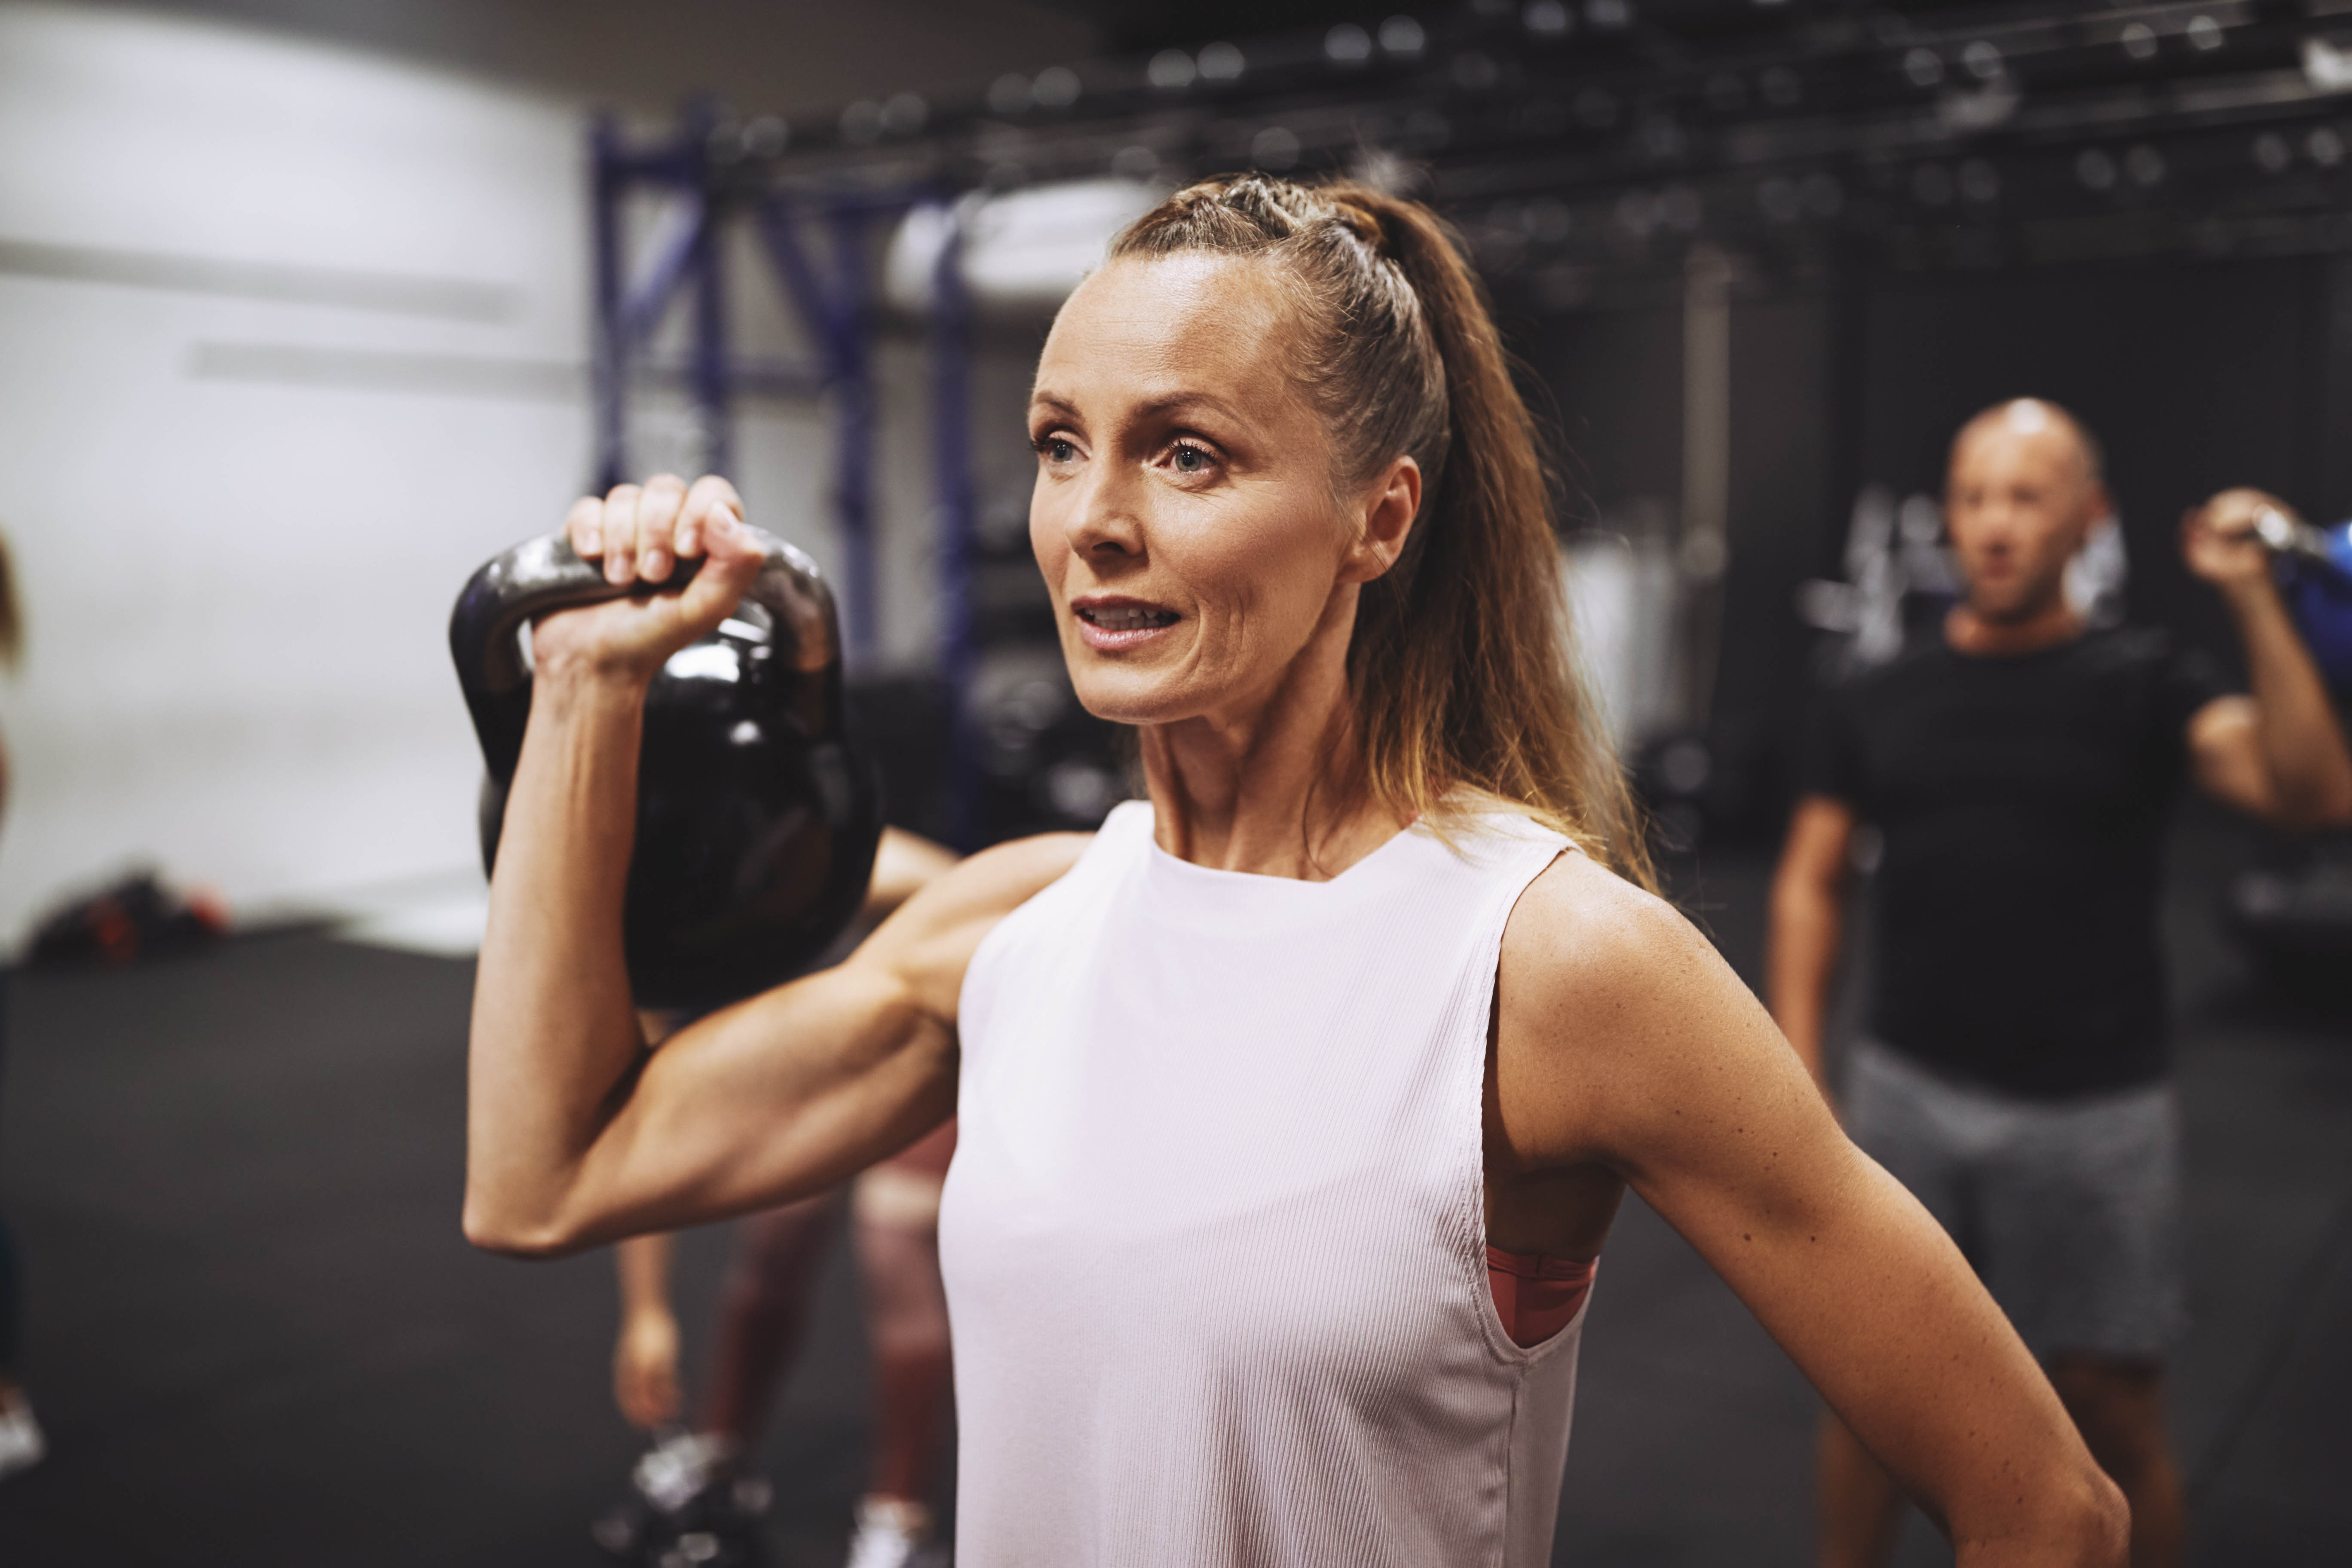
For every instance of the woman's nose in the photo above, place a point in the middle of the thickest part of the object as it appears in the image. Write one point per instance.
(1104, 519)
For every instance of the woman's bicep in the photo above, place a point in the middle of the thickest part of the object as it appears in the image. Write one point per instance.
(775, 1098)
(788, 1092)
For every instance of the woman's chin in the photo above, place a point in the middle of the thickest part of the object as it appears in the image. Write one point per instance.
(1130, 695)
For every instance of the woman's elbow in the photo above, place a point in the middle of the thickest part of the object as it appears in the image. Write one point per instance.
(2074, 1518)
(2087, 1516)
(496, 1227)
(2106, 1523)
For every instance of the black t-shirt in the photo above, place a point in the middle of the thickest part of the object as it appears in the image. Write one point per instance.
(2023, 802)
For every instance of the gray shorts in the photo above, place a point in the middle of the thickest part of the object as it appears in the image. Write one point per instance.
(2069, 1210)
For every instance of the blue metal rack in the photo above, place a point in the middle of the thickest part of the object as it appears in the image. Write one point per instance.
(819, 239)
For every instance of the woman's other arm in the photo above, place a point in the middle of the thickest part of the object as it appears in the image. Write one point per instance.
(1626, 1043)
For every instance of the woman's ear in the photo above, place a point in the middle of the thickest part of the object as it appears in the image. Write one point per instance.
(1392, 503)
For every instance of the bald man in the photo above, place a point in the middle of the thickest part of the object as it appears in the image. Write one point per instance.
(2015, 1073)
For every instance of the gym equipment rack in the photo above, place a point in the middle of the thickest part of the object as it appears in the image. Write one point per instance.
(1585, 151)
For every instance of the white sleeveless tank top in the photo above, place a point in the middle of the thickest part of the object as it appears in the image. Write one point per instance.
(1214, 1238)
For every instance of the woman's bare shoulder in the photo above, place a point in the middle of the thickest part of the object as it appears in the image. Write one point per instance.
(927, 943)
(999, 880)
(1611, 1003)
(1580, 927)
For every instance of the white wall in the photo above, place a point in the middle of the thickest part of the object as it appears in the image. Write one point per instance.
(235, 583)
(290, 340)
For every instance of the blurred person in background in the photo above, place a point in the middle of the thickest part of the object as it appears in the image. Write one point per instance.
(2015, 1073)
(689, 1479)
(21, 1443)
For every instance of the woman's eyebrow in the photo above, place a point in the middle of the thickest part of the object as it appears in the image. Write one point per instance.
(1174, 401)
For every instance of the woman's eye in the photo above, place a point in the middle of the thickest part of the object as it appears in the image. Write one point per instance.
(1192, 460)
(1055, 449)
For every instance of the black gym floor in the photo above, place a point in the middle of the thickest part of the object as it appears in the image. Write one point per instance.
(256, 1337)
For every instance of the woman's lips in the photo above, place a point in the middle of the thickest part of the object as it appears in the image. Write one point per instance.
(1112, 625)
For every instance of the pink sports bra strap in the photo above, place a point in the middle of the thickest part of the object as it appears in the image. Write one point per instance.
(1537, 1296)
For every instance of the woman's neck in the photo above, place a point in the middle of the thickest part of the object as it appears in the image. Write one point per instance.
(1271, 786)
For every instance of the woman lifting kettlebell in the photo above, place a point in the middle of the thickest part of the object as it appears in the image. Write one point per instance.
(1294, 1103)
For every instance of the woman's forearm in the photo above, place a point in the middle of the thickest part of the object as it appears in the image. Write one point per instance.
(553, 1033)
(2301, 741)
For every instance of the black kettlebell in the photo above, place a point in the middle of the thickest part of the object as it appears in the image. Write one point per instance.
(757, 815)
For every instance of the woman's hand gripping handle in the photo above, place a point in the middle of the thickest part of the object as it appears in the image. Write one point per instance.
(641, 534)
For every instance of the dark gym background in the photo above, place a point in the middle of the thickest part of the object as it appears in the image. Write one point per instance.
(256, 1336)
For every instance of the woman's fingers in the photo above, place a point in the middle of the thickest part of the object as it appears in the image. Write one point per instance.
(585, 526)
(733, 558)
(641, 532)
(620, 530)
(658, 511)
(710, 494)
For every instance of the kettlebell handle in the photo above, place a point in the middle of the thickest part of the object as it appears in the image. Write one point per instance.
(543, 574)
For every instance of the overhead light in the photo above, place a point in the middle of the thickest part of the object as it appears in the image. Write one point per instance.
(2139, 41)
(1403, 36)
(2325, 66)
(1347, 44)
(1223, 62)
(1547, 18)
(1170, 71)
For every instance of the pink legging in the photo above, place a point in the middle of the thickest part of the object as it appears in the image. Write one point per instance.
(764, 1314)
